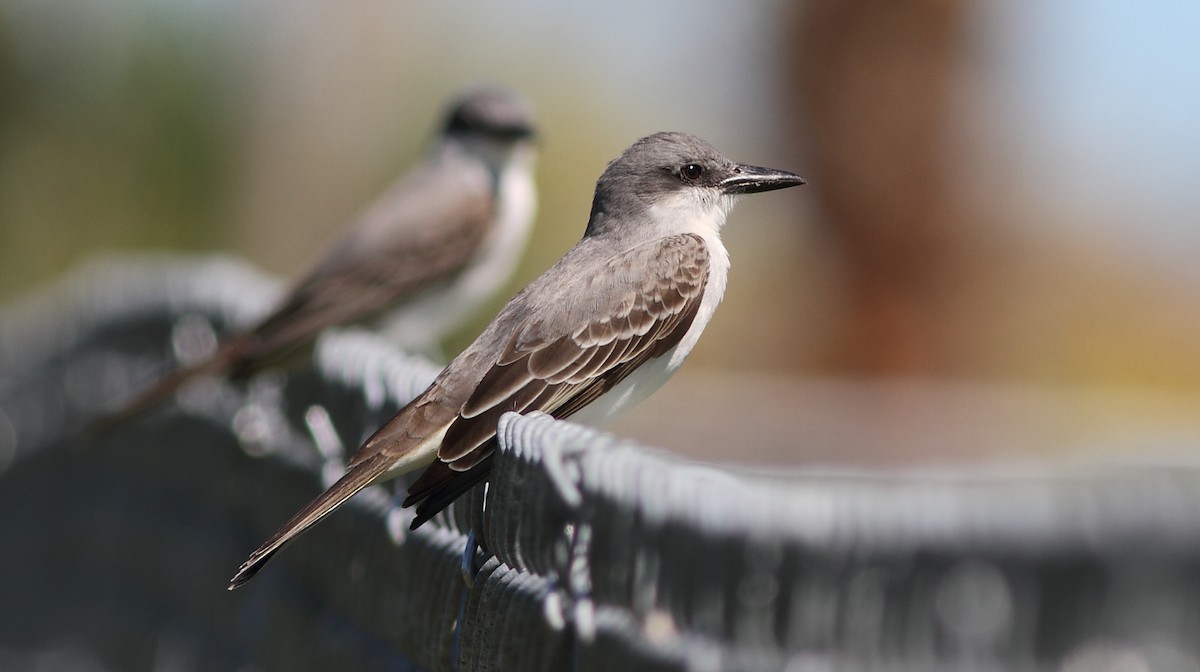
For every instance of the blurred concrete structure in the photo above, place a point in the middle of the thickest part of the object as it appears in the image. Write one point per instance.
(607, 555)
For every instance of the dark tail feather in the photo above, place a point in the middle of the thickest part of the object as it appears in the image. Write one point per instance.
(440, 485)
(349, 485)
(159, 393)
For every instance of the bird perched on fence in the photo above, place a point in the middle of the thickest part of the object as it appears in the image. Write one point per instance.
(598, 332)
(419, 262)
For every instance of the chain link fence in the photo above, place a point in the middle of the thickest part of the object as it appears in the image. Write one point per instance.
(594, 553)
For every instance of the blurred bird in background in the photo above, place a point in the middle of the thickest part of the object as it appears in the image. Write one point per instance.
(417, 264)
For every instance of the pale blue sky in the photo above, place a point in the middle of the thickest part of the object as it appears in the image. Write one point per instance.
(1105, 98)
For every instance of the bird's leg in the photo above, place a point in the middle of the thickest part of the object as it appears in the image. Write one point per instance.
(475, 552)
(470, 560)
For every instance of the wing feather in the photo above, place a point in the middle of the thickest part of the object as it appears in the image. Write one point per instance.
(420, 234)
(561, 361)
(500, 382)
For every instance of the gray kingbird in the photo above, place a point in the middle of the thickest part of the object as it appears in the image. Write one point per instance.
(418, 263)
(595, 334)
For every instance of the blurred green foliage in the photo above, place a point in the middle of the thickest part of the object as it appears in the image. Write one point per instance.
(111, 136)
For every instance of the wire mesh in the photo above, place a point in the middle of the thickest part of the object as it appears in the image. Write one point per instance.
(598, 553)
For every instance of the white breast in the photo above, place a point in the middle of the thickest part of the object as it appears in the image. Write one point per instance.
(422, 323)
(651, 375)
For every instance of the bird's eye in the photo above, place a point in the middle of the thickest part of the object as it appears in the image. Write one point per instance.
(691, 172)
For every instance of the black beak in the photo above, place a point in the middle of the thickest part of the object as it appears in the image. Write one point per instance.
(524, 131)
(752, 179)
(514, 132)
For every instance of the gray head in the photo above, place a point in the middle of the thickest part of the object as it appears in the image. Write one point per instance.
(490, 112)
(679, 173)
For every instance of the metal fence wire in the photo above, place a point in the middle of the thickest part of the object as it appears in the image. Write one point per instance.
(595, 553)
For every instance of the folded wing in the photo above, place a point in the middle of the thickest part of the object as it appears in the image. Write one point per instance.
(561, 360)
